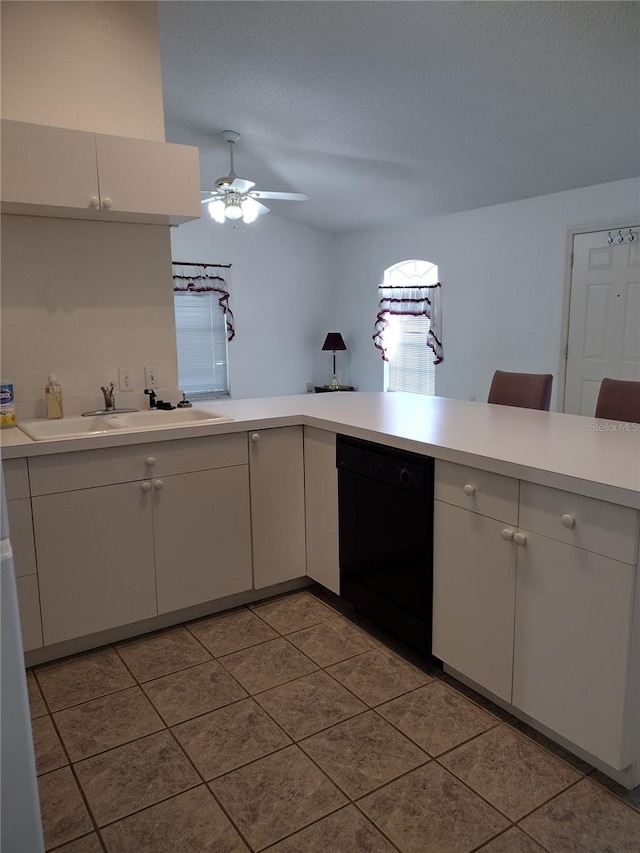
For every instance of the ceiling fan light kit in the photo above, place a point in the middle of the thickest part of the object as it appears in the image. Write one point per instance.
(234, 198)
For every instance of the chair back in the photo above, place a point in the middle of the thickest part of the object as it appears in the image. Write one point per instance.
(526, 390)
(619, 400)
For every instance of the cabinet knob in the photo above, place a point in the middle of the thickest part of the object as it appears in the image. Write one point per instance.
(519, 538)
(94, 202)
(146, 487)
(150, 460)
(507, 534)
(255, 436)
(568, 520)
(107, 204)
(158, 484)
(469, 490)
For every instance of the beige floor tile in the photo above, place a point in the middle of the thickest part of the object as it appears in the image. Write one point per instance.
(267, 665)
(509, 770)
(106, 722)
(160, 654)
(47, 747)
(86, 844)
(189, 823)
(64, 814)
(194, 691)
(225, 634)
(36, 702)
(133, 776)
(309, 704)
(294, 612)
(378, 676)
(430, 811)
(436, 717)
(512, 841)
(82, 678)
(363, 753)
(225, 739)
(332, 641)
(346, 831)
(276, 796)
(585, 819)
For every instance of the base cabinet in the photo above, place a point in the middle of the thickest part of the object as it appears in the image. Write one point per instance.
(276, 467)
(321, 507)
(540, 611)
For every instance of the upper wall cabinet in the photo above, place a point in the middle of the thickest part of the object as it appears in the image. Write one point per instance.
(53, 171)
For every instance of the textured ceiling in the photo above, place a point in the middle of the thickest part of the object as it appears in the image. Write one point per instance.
(388, 111)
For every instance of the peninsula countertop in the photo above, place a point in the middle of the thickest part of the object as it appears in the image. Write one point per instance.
(584, 455)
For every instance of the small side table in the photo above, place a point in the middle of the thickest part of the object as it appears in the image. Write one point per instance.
(321, 389)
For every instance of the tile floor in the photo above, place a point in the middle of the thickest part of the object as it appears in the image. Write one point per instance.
(285, 727)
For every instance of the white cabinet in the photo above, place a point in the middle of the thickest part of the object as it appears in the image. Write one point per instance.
(536, 603)
(276, 465)
(321, 507)
(53, 171)
(16, 481)
(125, 533)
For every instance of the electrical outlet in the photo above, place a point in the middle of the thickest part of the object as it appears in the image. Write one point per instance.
(151, 377)
(125, 378)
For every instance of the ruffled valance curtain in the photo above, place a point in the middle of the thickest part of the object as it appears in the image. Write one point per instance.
(209, 279)
(422, 301)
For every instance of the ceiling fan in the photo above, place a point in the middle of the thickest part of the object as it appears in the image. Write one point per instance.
(235, 198)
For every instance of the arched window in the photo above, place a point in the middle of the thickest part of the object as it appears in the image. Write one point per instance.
(408, 326)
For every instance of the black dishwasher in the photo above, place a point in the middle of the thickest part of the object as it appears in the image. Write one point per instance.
(385, 512)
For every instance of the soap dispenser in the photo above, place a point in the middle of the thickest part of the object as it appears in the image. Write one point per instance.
(53, 398)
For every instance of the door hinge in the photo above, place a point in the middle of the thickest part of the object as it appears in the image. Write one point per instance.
(571, 260)
(566, 351)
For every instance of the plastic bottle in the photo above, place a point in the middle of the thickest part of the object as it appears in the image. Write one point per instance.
(53, 398)
(7, 404)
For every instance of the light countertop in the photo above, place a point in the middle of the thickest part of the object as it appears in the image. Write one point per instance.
(580, 454)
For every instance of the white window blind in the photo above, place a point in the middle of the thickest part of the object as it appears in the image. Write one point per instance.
(201, 334)
(410, 366)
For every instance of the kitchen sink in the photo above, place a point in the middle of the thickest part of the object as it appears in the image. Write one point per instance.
(162, 418)
(44, 430)
(82, 427)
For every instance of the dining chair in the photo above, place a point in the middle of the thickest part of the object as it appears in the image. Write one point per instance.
(526, 390)
(619, 400)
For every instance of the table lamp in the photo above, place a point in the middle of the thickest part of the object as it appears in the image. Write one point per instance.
(334, 342)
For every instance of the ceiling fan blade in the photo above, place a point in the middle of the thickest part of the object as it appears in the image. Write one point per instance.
(261, 208)
(232, 182)
(282, 196)
(209, 198)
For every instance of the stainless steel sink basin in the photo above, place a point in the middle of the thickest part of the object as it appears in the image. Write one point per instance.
(82, 427)
(163, 418)
(44, 430)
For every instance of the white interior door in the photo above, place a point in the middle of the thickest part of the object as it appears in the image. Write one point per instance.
(604, 316)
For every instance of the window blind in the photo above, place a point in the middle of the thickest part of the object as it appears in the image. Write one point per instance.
(201, 335)
(410, 366)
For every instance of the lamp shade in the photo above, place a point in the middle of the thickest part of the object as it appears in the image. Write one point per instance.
(334, 341)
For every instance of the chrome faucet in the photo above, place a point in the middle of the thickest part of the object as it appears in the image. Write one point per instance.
(109, 397)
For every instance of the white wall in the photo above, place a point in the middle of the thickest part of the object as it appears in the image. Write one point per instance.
(81, 299)
(282, 285)
(84, 65)
(503, 270)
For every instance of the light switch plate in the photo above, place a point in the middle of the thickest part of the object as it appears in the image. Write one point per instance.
(151, 376)
(125, 378)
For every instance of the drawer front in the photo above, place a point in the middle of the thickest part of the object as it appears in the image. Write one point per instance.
(483, 492)
(16, 478)
(85, 469)
(597, 526)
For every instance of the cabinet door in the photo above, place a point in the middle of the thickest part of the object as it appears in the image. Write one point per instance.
(321, 507)
(202, 536)
(21, 533)
(153, 179)
(95, 559)
(29, 607)
(474, 587)
(572, 640)
(276, 461)
(45, 169)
